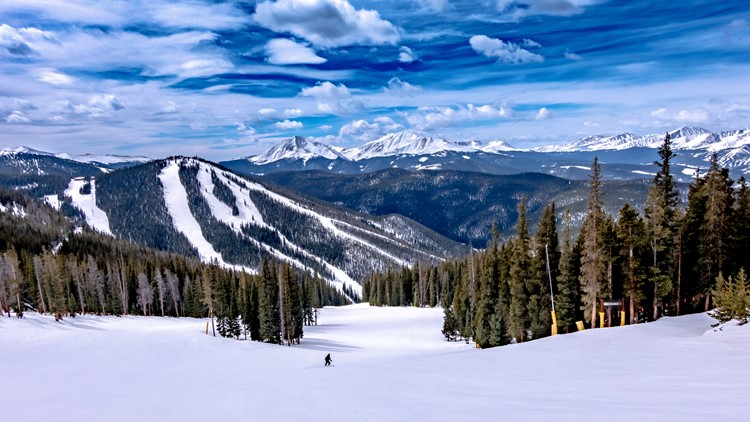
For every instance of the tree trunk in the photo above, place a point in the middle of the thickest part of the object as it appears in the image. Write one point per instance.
(633, 319)
(593, 313)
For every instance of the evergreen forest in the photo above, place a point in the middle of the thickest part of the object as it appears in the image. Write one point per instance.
(49, 265)
(616, 269)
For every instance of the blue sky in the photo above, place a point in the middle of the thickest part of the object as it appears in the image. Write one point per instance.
(224, 79)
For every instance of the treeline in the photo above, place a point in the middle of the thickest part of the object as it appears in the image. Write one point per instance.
(46, 265)
(664, 261)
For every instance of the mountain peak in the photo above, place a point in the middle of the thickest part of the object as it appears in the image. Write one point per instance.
(404, 143)
(296, 148)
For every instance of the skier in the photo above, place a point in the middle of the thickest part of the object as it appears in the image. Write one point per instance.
(328, 360)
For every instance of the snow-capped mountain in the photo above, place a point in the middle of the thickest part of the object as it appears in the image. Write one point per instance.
(685, 138)
(496, 146)
(194, 207)
(296, 148)
(22, 150)
(404, 143)
(104, 158)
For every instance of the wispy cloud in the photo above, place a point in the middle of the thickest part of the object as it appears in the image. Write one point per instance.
(282, 51)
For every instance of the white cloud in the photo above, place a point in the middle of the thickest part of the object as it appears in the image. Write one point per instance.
(326, 23)
(267, 112)
(20, 42)
(282, 51)
(293, 112)
(530, 43)
(433, 5)
(542, 114)
(244, 129)
(437, 117)
(407, 55)
(198, 126)
(184, 54)
(190, 14)
(53, 77)
(572, 56)
(364, 131)
(170, 107)
(332, 99)
(288, 125)
(197, 15)
(326, 127)
(505, 52)
(693, 116)
(17, 117)
(97, 107)
(398, 87)
(26, 105)
(521, 8)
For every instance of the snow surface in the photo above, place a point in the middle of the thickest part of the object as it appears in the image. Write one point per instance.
(296, 148)
(389, 364)
(53, 201)
(175, 197)
(95, 216)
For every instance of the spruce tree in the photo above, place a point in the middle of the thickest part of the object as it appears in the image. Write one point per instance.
(732, 298)
(547, 244)
(593, 265)
(631, 237)
(566, 299)
(268, 304)
(661, 205)
(519, 275)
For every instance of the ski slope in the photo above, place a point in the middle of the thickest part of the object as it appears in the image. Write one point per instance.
(390, 364)
(95, 216)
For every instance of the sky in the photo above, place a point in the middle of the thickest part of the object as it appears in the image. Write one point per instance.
(226, 79)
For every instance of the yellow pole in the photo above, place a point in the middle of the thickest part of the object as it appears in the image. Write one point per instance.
(579, 325)
(206, 327)
(554, 323)
(601, 319)
(622, 318)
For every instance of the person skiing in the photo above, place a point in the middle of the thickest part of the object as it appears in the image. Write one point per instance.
(328, 360)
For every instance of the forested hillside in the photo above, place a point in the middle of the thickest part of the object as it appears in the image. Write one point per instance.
(624, 268)
(460, 205)
(196, 208)
(49, 265)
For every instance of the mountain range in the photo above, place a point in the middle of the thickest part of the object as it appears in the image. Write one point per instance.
(623, 156)
(197, 208)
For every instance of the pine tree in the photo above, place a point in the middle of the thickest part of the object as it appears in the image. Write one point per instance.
(547, 244)
(631, 237)
(593, 265)
(566, 299)
(268, 304)
(660, 225)
(450, 324)
(519, 274)
(716, 228)
(732, 298)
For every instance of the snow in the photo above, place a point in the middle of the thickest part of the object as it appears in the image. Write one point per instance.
(104, 158)
(423, 159)
(576, 167)
(404, 143)
(95, 216)
(175, 197)
(689, 171)
(645, 173)
(296, 148)
(53, 201)
(389, 364)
